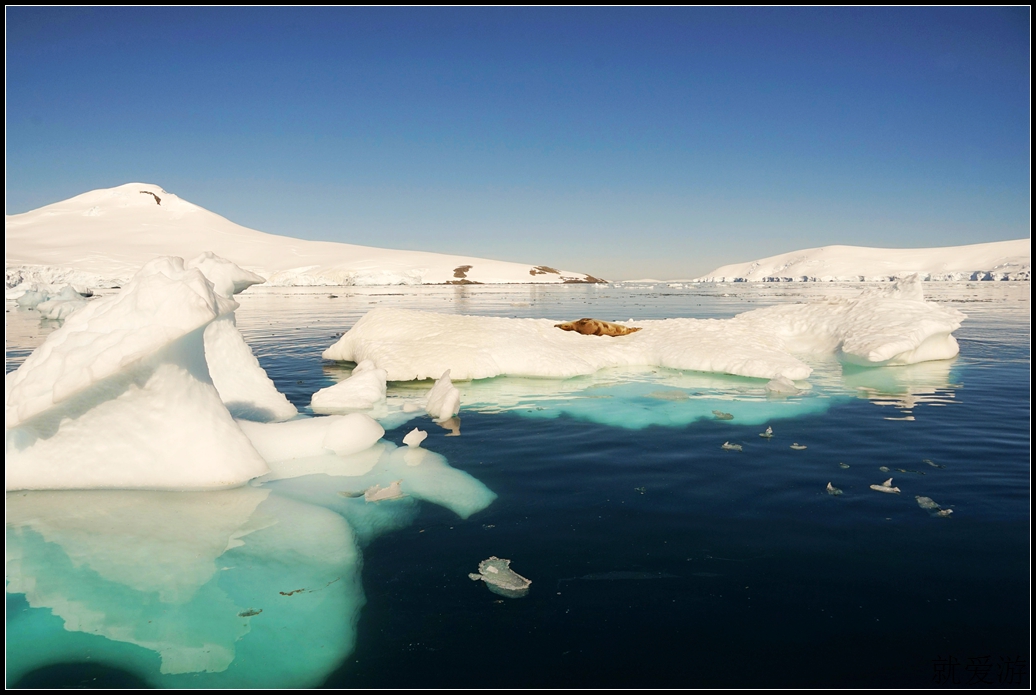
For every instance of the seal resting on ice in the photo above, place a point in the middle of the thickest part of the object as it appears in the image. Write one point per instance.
(596, 327)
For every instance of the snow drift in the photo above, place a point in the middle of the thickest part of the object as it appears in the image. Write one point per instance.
(887, 326)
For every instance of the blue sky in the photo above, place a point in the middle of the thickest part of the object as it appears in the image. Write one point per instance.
(621, 142)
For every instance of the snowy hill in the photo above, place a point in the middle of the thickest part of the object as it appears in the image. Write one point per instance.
(1000, 260)
(101, 238)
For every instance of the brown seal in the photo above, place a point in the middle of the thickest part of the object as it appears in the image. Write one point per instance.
(596, 327)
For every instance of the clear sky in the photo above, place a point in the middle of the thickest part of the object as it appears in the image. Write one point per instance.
(624, 142)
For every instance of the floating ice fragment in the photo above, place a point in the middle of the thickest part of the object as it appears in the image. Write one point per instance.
(364, 389)
(929, 505)
(932, 464)
(843, 465)
(781, 385)
(500, 578)
(731, 447)
(720, 415)
(798, 447)
(886, 487)
(415, 437)
(926, 502)
(376, 493)
(883, 469)
(768, 434)
(832, 490)
(443, 399)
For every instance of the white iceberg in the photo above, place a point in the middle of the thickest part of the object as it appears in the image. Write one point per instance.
(415, 437)
(364, 389)
(890, 326)
(443, 398)
(121, 395)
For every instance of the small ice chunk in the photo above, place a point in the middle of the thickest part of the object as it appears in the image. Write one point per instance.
(731, 447)
(944, 512)
(843, 465)
(781, 385)
(768, 434)
(443, 399)
(500, 578)
(720, 415)
(376, 493)
(415, 437)
(364, 389)
(883, 469)
(832, 490)
(798, 447)
(886, 487)
(926, 502)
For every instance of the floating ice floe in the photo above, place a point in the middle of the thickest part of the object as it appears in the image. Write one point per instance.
(500, 578)
(832, 490)
(843, 465)
(768, 434)
(797, 447)
(888, 326)
(364, 389)
(55, 306)
(886, 487)
(930, 506)
(727, 446)
(121, 395)
(884, 469)
(720, 415)
(414, 437)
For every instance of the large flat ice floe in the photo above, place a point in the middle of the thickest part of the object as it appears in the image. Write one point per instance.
(890, 325)
(100, 238)
(999, 260)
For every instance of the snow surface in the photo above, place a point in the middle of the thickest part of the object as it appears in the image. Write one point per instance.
(999, 260)
(889, 325)
(100, 238)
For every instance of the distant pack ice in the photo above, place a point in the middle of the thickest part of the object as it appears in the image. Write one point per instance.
(888, 325)
(999, 260)
(101, 238)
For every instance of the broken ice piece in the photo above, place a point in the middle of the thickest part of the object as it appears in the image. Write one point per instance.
(720, 415)
(929, 505)
(832, 490)
(500, 578)
(798, 447)
(883, 469)
(926, 502)
(731, 447)
(932, 463)
(376, 493)
(415, 437)
(767, 434)
(885, 487)
(843, 465)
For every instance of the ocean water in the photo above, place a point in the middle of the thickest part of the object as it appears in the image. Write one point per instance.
(657, 558)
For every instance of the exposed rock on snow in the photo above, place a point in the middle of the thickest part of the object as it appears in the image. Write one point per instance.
(884, 326)
(999, 260)
(100, 238)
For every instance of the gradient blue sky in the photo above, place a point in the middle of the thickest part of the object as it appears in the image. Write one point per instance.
(620, 142)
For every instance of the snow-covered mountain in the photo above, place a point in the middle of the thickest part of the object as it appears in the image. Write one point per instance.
(101, 238)
(998, 260)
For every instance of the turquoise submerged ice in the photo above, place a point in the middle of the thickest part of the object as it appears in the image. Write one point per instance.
(673, 372)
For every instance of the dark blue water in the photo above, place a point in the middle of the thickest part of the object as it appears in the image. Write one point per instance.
(659, 559)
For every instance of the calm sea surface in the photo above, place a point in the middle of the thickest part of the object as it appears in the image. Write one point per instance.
(656, 557)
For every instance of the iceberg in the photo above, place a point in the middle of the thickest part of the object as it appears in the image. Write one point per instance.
(121, 396)
(892, 325)
(363, 390)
